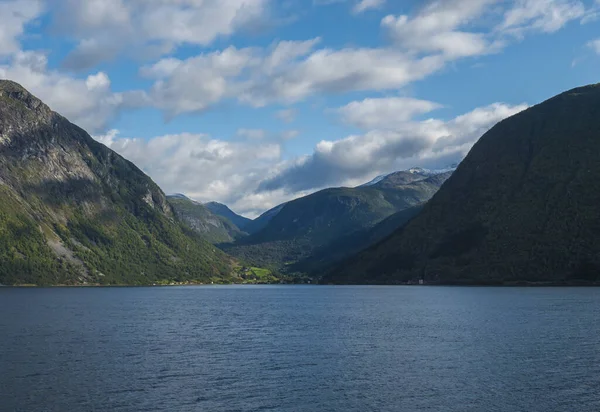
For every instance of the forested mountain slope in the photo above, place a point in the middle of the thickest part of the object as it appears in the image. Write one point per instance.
(73, 211)
(523, 206)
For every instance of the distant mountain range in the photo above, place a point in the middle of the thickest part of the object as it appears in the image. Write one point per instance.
(524, 206)
(222, 210)
(312, 232)
(304, 225)
(211, 226)
(217, 222)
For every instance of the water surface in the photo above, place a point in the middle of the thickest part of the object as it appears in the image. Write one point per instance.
(300, 348)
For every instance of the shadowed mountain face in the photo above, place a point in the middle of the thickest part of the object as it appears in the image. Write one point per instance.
(522, 206)
(263, 220)
(74, 212)
(322, 258)
(214, 228)
(222, 210)
(312, 222)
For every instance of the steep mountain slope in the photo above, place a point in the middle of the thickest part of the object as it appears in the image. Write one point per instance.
(310, 222)
(263, 220)
(222, 210)
(346, 246)
(523, 206)
(216, 229)
(73, 212)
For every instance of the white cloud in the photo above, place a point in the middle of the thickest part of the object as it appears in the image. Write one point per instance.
(338, 71)
(364, 5)
(89, 102)
(292, 71)
(287, 115)
(194, 84)
(205, 168)
(595, 45)
(287, 72)
(384, 113)
(463, 28)
(437, 28)
(541, 15)
(431, 143)
(91, 52)
(14, 16)
(106, 28)
(284, 53)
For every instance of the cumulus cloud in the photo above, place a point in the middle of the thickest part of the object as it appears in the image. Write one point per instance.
(192, 85)
(432, 143)
(384, 113)
(91, 52)
(437, 28)
(88, 102)
(288, 72)
(14, 16)
(338, 71)
(291, 71)
(595, 45)
(364, 5)
(105, 28)
(205, 168)
(447, 26)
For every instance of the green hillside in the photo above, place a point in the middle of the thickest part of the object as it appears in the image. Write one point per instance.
(74, 212)
(307, 224)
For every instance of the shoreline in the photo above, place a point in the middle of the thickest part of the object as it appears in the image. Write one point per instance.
(446, 284)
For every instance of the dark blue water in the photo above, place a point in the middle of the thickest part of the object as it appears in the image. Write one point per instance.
(300, 348)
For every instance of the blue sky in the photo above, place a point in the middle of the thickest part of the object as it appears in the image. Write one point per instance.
(255, 102)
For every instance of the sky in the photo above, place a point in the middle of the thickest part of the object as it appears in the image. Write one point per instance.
(256, 102)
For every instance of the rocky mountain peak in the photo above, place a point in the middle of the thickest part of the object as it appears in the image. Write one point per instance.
(15, 92)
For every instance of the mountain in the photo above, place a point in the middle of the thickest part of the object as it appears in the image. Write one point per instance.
(263, 220)
(214, 228)
(222, 210)
(417, 171)
(523, 206)
(311, 222)
(74, 212)
(345, 246)
(374, 181)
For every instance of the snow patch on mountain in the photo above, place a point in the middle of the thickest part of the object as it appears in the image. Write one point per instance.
(414, 170)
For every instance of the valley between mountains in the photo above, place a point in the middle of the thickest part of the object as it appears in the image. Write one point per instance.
(522, 207)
